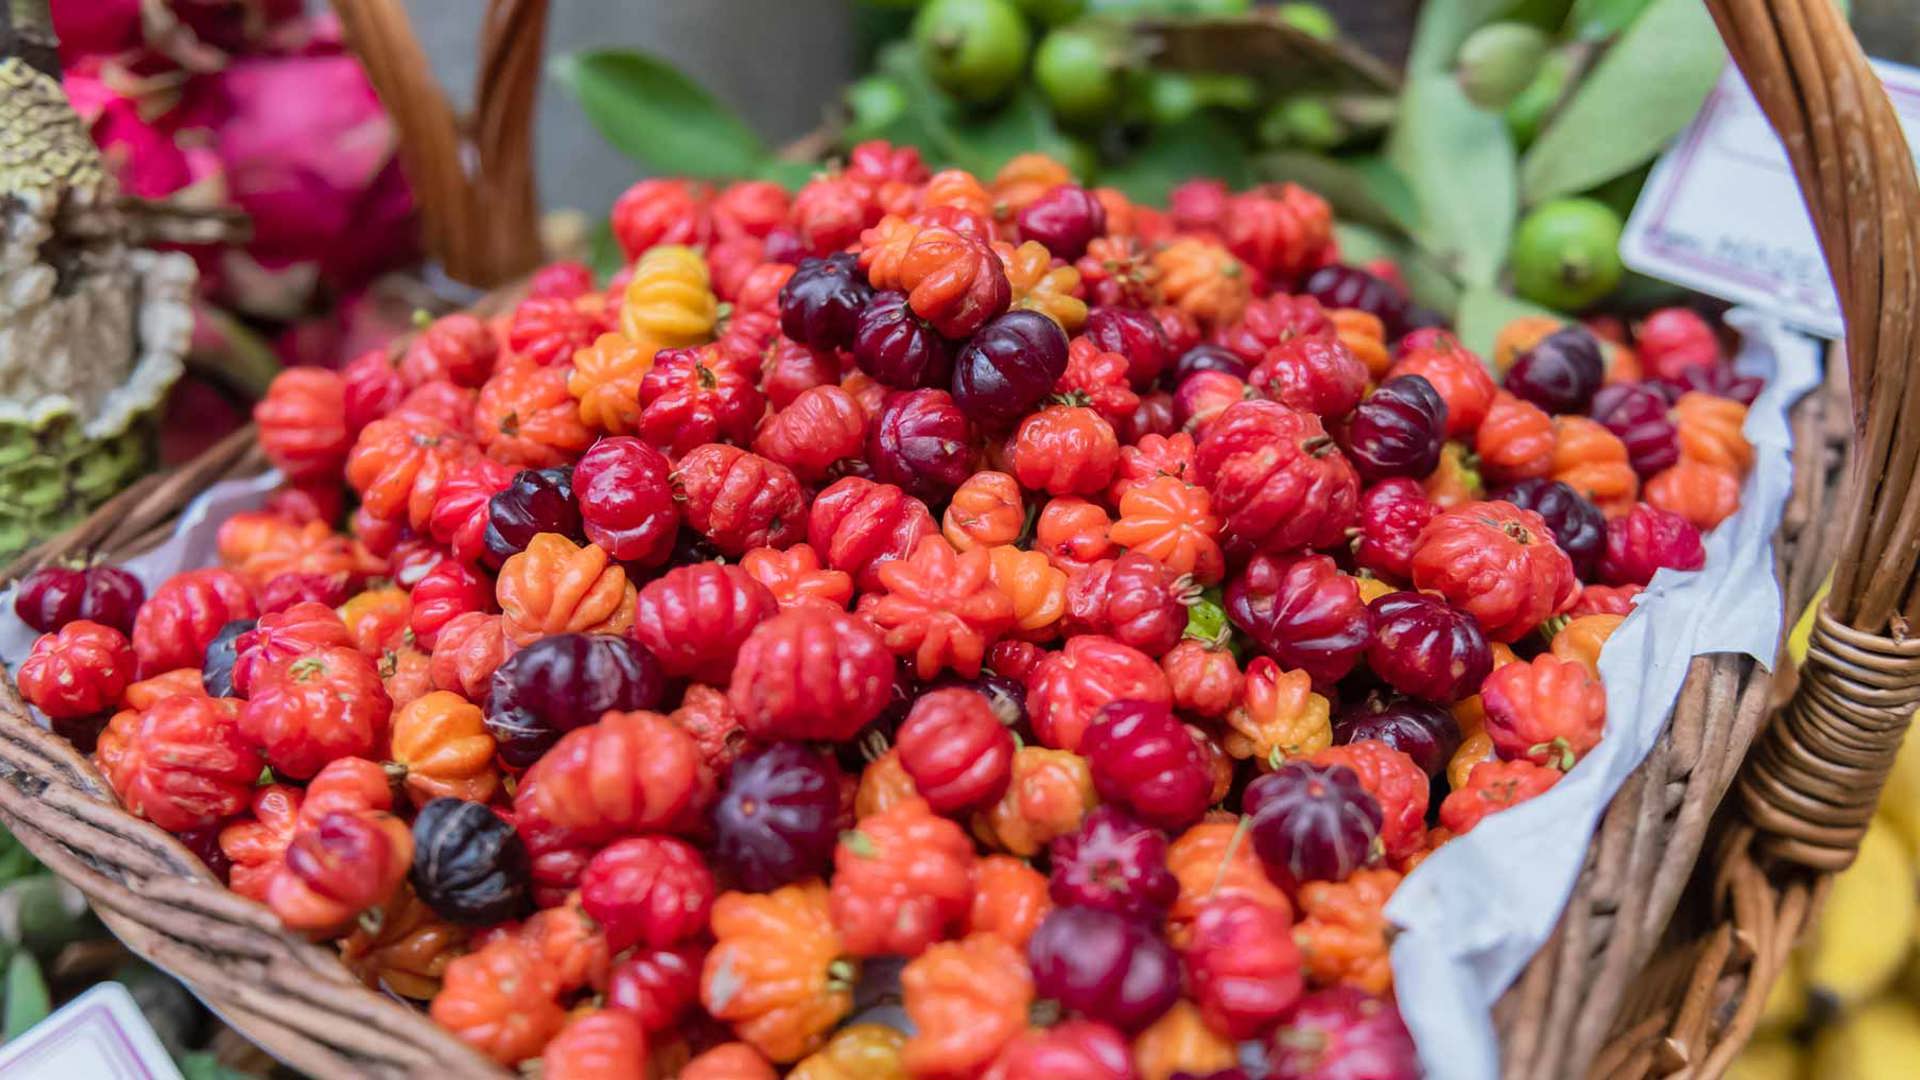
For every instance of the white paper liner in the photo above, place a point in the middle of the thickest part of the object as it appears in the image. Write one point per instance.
(1473, 914)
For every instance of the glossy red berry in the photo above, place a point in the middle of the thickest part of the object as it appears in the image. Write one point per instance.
(899, 348)
(1065, 219)
(1426, 647)
(819, 429)
(692, 396)
(1008, 366)
(182, 616)
(653, 891)
(789, 368)
(1425, 732)
(1303, 612)
(1210, 357)
(662, 210)
(561, 682)
(460, 507)
(1268, 322)
(1067, 689)
(820, 304)
(1392, 513)
(1115, 863)
(1648, 539)
(1560, 373)
(1312, 823)
(327, 704)
(922, 443)
(1277, 478)
(955, 747)
(1064, 450)
(811, 673)
(1342, 1032)
(78, 670)
(1720, 380)
(1578, 526)
(693, 619)
(446, 591)
(457, 348)
(857, 525)
(778, 817)
(1672, 340)
(656, 985)
(1638, 415)
(1132, 599)
(1148, 762)
(1202, 396)
(1317, 373)
(1104, 966)
(1135, 335)
(536, 501)
(54, 596)
(372, 388)
(1397, 430)
(739, 500)
(1243, 968)
(549, 330)
(625, 496)
(283, 636)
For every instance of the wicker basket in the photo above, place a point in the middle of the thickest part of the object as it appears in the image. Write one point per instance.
(1594, 1001)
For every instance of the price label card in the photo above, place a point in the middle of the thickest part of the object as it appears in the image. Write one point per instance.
(99, 1035)
(1722, 211)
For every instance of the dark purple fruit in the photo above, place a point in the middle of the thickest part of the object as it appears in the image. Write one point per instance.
(898, 348)
(1133, 334)
(53, 596)
(1426, 647)
(820, 304)
(562, 682)
(1065, 219)
(1578, 526)
(1637, 413)
(216, 667)
(537, 501)
(777, 820)
(469, 865)
(1720, 380)
(1422, 730)
(1104, 966)
(1114, 863)
(922, 443)
(1209, 357)
(1311, 823)
(1351, 287)
(1009, 367)
(1398, 430)
(1560, 373)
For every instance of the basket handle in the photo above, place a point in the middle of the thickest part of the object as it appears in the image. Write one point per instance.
(1810, 785)
(474, 184)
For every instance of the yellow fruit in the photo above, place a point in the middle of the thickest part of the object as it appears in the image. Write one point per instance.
(1769, 1057)
(1900, 801)
(1862, 937)
(1787, 1001)
(1880, 1041)
(1803, 628)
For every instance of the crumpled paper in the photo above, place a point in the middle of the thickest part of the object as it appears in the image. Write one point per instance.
(1473, 914)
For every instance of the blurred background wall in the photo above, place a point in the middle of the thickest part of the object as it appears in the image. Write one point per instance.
(780, 62)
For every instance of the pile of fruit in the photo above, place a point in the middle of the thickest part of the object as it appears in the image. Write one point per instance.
(1086, 612)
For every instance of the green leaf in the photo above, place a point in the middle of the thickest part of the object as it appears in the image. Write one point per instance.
(1428, 284)
(792, 175)
(1203, 146)
(982, 142)
(1362, 189)
(1597, 20)
(1443, 25)
(655, 115)
(1459, 161)
(1640, 95)
(28, 1001)
(1483, 311)
(604, 255)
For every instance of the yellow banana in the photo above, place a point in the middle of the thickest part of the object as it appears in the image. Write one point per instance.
(1864, 932)
(1879, 1041)
(1768, 1057)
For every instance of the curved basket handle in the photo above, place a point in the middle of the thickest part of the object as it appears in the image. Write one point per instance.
(474, 185)
(1810, 784)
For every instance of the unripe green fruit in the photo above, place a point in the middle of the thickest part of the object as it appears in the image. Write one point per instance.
(1302, 121)
(1498, 62)
(1566, 254)
(1528, 113)
(1309, 19)
(873, 104)
(975, 50)
(1051, 12)
(1076, 69)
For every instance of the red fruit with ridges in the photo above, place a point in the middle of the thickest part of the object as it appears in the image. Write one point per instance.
(181, 764)
(78, 670)
(1242, 965)
(1068, 688)
(1457, 375)
(460, 506)
(1303, 612)
(1064, 450)
(1426, 647)
(1398, 785)
(1133, 334)
(1268, 322)
(740, 500)
(632, 772)
(957, 751)
(938, 608)
(1548, 710)
(1498, 563)
(1202, 396)
(1316, 373)
(695, 618)
(446, 591)
(371, 388)
(1132, 599)
(1146, 761)
(302, 423)
(821, 426)
(1646, 540)
(1115, 863)
(1342, 1032)
(54, 596)
(691, 396)
(1638, 415)
(283, 636)
(811, 673)
(1392, 513)
(176, 623)
(1277, 478)
(923, 443)
(625, 495)
(652, 891)
(326, 704)
(1671, 340)
(662, 211)
(1311, 822)
(456, 348)
(857, 525)
(656, 985)
(549, 330)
